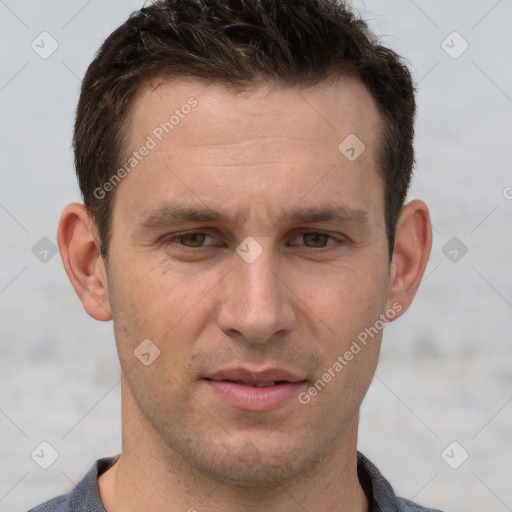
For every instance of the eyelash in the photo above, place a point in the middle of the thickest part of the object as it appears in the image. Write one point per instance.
(170, 241)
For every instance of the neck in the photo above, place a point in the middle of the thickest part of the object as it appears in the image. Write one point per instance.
(149, 475)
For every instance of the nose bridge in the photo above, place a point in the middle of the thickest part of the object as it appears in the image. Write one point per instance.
(256, 303)
(258, 282)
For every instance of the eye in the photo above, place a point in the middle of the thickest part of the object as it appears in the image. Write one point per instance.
(316, 239)
(193, 239)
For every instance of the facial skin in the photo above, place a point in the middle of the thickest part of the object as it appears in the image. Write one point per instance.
(256, 157)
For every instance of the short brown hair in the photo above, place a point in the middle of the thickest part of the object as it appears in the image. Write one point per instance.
(239, 43)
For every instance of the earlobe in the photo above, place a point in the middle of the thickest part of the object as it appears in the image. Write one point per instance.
(79, 250)
(413, 242)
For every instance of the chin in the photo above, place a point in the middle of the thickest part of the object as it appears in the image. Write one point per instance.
(257, 465)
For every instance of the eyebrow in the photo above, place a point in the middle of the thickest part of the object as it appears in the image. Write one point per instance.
(163, 217)
(338, 214)
(169, 214)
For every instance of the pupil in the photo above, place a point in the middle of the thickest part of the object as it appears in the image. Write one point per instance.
(194, 239)
(316, 238)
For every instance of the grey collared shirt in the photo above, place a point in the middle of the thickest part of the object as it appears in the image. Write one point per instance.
(85, 496)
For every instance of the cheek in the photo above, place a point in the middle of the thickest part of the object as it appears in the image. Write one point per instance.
(144, 290)
(151, 299)
(350, 307)
(347, 300)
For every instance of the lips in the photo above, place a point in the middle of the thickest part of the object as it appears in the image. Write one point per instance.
(253, 384)
(257, 391)
(260, 378)
(265, 384)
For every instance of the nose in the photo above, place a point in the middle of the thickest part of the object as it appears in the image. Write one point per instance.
(256, 303)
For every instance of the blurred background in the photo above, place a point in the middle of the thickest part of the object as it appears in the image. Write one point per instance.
(437, 420)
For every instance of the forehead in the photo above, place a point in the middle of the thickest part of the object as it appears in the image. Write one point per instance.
(270, 145)
(333, 108)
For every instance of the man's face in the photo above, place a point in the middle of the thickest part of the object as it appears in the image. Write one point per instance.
(292, 297)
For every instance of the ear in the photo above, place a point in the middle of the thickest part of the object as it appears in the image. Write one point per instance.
(79, 249)
(413, 242)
